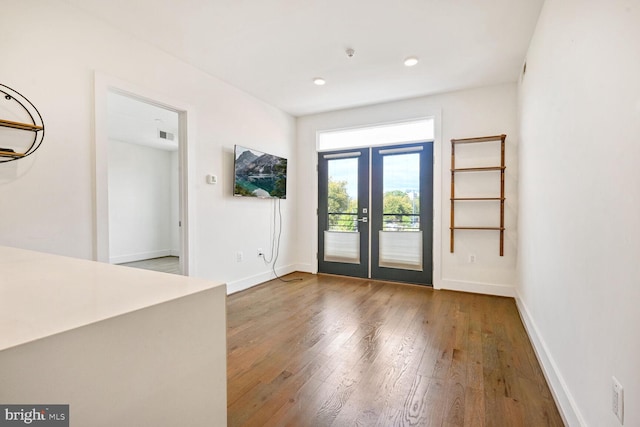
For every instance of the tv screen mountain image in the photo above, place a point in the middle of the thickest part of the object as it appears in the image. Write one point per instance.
(259, 174)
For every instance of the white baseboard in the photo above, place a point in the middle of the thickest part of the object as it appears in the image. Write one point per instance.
(477, 287)
(565, 402)
(249, 282)
(139, 256)
(305, 268)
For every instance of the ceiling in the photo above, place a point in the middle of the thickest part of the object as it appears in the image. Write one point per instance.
(134, 121)
(273, 49)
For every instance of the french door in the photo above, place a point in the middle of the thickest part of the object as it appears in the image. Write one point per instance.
(375, 212)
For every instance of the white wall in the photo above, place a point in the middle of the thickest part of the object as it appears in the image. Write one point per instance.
(479, 112)
(51, 51)
(142, 202)
(580, 204)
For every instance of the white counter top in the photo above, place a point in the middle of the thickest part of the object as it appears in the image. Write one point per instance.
(42, 294)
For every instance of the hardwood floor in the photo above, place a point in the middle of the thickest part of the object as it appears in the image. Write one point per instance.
(165, 264)
(334, 351)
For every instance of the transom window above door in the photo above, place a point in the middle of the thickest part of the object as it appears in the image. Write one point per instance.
(374, 135)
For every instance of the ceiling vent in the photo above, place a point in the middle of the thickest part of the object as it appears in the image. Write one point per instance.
(166, 135)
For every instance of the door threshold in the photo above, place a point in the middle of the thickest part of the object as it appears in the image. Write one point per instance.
(397, 282)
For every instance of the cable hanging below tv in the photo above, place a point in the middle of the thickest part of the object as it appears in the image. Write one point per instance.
(258, 174)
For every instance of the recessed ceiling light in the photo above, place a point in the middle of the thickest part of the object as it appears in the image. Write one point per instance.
(319, 81)
(411, 61)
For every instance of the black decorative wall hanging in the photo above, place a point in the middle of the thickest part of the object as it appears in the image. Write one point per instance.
(26, 132)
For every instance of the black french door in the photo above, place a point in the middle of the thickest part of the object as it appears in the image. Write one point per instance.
(375, 212)
(343, 218)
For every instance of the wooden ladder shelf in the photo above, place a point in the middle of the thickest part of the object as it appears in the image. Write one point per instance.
(455, 199)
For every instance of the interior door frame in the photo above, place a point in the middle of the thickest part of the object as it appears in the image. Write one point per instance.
(103, 84)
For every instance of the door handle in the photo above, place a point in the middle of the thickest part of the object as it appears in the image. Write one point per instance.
(363, 219)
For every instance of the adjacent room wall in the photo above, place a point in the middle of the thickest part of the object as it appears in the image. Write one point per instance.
(141, 202)
(580, 204)
(478, 112)
(51, 52)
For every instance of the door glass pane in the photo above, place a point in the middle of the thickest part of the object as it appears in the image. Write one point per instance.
(342, 239)
(400, 240)
(401, 192)
(342, 203)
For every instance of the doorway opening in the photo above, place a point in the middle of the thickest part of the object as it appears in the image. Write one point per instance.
(143, 184)
(141, 179)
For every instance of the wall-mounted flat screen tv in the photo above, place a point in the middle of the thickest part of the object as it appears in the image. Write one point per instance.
(259, 174)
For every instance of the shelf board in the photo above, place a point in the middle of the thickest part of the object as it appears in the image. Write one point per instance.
(489, 168)
(479, 139)
(477, 228)
(21, 126)
(10, 154)
(478, 198)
